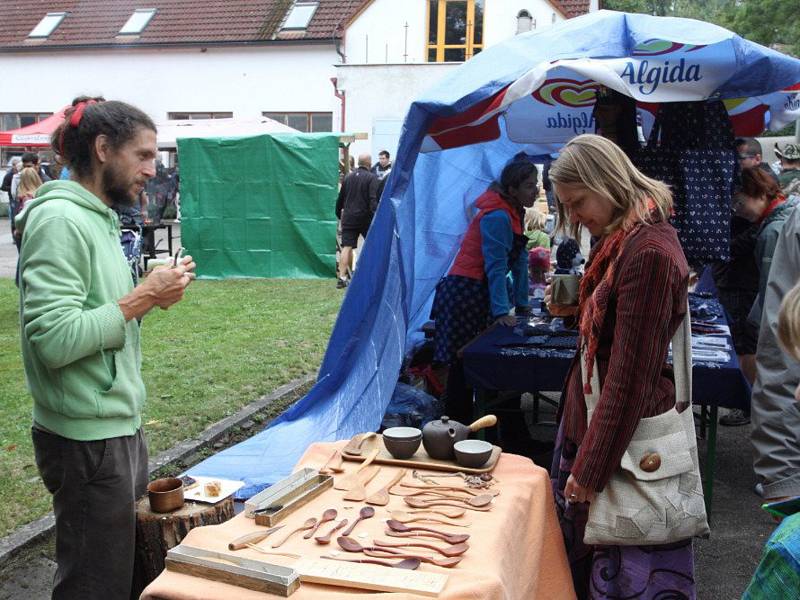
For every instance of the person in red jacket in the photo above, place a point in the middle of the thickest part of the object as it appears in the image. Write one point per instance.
(475, 291)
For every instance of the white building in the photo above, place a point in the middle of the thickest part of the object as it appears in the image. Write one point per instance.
(248, 58)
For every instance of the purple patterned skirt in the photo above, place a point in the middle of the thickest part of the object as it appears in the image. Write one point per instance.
(663, 572)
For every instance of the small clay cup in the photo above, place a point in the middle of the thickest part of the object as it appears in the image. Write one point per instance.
(165, 494)
(472, 453)
(402, 442)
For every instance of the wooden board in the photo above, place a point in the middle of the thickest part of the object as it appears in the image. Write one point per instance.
(233, 570)
(420, 460)
(365, 576)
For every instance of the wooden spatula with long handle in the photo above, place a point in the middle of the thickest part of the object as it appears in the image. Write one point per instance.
(356, 443)
(346, 482)
(381, 497)
(359, 491)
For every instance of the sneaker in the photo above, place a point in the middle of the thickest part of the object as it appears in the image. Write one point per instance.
(759, 489)
(341, 284)
(735, 418)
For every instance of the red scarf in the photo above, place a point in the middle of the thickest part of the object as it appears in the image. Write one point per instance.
(596, 287)
(776, 202)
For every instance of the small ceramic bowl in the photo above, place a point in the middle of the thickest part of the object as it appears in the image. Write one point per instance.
(472, 453)
(165, 494)
(402, 442)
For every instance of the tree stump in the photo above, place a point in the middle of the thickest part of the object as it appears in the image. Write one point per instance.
(158, 532)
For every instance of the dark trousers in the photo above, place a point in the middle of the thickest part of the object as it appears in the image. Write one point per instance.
(458, 401)
(94, 486)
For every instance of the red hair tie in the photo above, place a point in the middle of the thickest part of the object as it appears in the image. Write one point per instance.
(74, 121)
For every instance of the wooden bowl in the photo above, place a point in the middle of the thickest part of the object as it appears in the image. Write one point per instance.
(165, 494)
(472, 453)
(402, 442)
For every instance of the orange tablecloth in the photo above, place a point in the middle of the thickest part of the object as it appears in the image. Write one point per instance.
(516, 550)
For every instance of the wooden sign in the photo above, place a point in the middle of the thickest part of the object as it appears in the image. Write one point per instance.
(370, 577)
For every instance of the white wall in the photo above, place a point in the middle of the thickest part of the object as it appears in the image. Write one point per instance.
(379, 34)
(245, 81)
(376, 93)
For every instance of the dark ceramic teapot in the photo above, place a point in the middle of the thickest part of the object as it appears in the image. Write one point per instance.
(439, 436)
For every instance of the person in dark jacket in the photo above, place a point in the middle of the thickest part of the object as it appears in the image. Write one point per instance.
(475, 291)
(749, 153)
(355, 207)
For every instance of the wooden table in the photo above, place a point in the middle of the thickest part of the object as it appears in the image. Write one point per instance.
(516, 550)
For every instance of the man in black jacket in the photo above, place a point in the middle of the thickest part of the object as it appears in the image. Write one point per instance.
(357, 203)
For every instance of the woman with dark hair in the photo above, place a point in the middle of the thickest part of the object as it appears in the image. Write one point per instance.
(475, 292)
(760, 200)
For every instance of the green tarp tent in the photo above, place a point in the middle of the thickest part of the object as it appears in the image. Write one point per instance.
(260, 206)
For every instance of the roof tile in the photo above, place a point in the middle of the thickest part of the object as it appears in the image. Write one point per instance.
(97, 22)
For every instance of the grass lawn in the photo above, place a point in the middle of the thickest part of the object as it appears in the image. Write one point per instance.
(227, 343)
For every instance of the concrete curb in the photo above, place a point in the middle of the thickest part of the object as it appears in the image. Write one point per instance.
(35, 531)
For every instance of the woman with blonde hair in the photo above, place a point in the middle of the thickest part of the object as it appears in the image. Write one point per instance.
(632, 300)
(29, 182)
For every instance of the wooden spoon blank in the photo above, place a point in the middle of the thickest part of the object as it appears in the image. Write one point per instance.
(334, 464)
(381, 497)
(406, 563)
(359, 491)
(356, 443)
(403, 528)
(450, 539)
(405, 517)
(452, 513)
(307, 525)
(346, 482)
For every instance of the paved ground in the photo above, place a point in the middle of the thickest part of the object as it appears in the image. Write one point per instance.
(8, 252)
(724, 563)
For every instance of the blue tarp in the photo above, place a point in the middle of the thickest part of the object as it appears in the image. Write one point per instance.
(429, 197)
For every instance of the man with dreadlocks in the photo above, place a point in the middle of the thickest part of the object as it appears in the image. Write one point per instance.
(80, 343)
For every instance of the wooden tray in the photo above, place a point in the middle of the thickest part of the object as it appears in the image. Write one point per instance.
(420, 460)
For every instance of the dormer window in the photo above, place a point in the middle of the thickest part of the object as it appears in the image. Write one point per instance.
(47, 25)
(137, 21)
(300, 15)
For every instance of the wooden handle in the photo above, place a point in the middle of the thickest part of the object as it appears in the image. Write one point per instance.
(349, 530)
(326, 539)
(486, 421)
(250, 538)
(370, 457)
(409, 545)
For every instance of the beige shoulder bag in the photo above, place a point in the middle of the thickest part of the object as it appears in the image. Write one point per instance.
(656, 495)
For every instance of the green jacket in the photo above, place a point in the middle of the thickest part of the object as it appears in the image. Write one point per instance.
(82, 360)
(768, 234)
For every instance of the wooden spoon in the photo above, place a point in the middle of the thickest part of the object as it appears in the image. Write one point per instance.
(439, 562)
(346, 482)
(450, 538)
(452, 550)
(452, 513)
(445, 488)
(326, 539)
(307, 525)
(348, 544)
(406, 563)
(329, 515)
(475, 503)
(405, 517)
(359, 491)
(381, 497)
(365, 513)
(334, 464)
(356, 443)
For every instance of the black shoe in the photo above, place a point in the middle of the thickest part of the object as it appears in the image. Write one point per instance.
(341, 284)
(735, 418)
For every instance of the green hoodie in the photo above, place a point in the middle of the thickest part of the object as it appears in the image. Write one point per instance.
(82, 360)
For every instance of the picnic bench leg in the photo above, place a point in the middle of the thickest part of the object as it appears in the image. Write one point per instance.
(711, 460)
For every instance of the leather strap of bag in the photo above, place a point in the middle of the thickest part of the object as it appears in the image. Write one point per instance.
(681, 365)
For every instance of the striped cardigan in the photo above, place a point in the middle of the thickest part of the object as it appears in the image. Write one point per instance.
(647, 305)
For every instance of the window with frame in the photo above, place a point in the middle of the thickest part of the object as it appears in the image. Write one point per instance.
(307, 122)
(455, 30)
(184, 116)
(17, 120)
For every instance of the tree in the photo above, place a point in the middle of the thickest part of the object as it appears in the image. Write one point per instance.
(773, 23)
